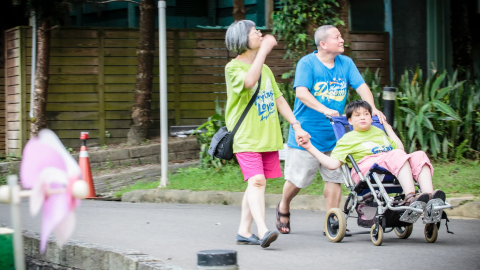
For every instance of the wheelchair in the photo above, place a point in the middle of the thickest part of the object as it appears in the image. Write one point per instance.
(375, 208)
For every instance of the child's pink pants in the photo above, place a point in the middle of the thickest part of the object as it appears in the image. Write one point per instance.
(394, 161)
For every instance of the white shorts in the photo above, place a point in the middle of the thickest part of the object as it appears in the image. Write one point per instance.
(301, 168)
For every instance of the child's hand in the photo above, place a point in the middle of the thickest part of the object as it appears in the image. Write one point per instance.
(305, 144)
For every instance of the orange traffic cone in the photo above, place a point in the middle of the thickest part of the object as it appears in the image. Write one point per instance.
(84, 163)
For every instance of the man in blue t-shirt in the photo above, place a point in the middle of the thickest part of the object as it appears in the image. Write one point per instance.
(321, 84)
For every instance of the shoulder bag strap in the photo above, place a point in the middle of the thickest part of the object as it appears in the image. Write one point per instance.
(252, 100)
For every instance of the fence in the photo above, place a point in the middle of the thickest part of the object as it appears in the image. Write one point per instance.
(92, 77)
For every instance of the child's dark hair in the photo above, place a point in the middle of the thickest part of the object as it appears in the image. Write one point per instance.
(355, 105)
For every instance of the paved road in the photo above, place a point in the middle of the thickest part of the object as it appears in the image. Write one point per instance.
(178, 231)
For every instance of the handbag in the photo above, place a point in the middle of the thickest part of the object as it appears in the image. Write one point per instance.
(222, 142)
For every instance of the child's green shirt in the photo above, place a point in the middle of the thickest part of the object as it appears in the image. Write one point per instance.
(360, 144)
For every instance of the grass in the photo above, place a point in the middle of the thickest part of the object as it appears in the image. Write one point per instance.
(453, 178)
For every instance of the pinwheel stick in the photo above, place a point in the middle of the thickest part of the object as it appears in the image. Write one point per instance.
(13, 194)
(16, 222)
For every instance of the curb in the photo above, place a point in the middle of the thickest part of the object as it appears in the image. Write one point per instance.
(81, 255)
(464, 206)
(311, 202)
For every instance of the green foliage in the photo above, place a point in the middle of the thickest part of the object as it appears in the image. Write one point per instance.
(213, 124)
(373, 82)
(453, 178)
(439, 115)
(57, 11)
(9, 157)
(289, 24)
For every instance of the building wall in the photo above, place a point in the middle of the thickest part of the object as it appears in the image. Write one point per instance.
(180, 14)
(409, 36)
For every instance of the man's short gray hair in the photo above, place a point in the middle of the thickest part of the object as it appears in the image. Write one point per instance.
(321, 34)
(236, 37)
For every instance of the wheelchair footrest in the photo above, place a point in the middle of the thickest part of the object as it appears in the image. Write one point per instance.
(431, 215)
(412, 216)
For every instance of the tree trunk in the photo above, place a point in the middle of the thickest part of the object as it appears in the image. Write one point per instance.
(141, 113)
(238, 10)
(344, 29)
(39, 121)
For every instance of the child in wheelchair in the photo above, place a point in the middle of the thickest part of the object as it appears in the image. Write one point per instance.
(374, 155)
(368, 145)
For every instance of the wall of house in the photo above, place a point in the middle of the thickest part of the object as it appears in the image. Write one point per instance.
(180, 13)
(409, 36)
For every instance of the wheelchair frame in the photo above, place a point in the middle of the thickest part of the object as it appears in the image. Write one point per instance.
(384, 202)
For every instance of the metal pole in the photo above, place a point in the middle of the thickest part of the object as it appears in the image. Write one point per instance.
(389, 96)
(389, 28)
(162, 45)
(34, 61)
(15, 199)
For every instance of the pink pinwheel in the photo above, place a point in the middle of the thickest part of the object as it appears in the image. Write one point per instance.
(51, 173)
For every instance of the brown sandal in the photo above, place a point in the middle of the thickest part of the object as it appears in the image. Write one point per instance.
(409, 198)
(281, 226)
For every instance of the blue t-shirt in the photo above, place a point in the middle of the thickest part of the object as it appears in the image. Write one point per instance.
(330, 87)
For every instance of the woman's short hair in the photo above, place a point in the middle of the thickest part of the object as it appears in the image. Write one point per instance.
(236, 38)
(355, 105)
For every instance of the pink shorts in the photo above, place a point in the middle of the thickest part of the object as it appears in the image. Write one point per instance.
(253, 163)
(394, 161)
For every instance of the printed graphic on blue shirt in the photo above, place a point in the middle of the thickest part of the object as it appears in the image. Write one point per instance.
(331, 90)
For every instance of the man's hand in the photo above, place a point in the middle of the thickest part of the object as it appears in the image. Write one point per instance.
(301, 136)
(268, 42)
(380, 115)
(331, 112)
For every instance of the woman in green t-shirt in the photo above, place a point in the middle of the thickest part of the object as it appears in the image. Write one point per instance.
(259, 137)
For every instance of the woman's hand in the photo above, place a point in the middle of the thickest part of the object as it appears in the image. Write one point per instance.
(301, 136)
(268, 42)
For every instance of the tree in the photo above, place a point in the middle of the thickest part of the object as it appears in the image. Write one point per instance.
(47, 13)
(141, 111)
(238, 10)
(297, 21)
(344, 28)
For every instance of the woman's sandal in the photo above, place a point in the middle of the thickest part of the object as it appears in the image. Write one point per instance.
(281, 226)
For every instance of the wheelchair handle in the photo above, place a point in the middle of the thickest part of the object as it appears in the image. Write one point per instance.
(329, 117)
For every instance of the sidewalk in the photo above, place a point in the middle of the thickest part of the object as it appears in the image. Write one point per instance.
(174, 233)
(466, 206)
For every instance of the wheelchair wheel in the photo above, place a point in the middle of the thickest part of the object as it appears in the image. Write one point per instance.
(335, 225)
(377, 239)
(431, 232)
(403, 232)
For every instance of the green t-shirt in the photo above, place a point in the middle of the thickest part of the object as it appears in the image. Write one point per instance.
(360, 144)
(260, 130)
